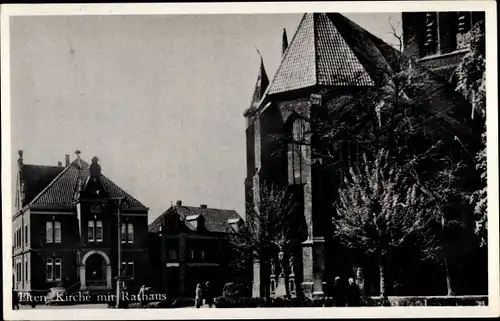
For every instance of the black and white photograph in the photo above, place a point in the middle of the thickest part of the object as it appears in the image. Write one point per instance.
(162, 161)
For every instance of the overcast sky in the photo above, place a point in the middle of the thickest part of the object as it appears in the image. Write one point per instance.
(159, 99)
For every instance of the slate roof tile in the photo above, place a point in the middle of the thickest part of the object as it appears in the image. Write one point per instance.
(216, 220)
(61, 191)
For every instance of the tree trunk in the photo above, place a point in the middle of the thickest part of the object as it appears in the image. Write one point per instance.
(381, 268)
(449, 285)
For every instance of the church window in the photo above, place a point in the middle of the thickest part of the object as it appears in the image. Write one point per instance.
(430, 39)
(296, 152)
(464, 25)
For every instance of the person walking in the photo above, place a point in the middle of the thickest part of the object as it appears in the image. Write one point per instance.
(198, 296)
(142, 296)
(353, 294)
(338, 292)
(209, 294)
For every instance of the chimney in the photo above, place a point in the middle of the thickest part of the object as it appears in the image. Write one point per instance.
(77, 152)
(284, 44)
(95, 168)
(178, 203)
(66, 157)
(203, 206)
(21, 187)
(20, 159)
(59, 163)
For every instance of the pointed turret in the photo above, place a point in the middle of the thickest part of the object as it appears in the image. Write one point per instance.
(284, 43)
(260, 85)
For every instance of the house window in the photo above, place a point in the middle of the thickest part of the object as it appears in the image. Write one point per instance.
(202, 254)
(49, 268)
(128, 268)
(26, 234)
(57, 232)
(430, 34)
(98, 231)
(172, 254)
(53, 268)
(49, 231)
(191, 253)
(95, 231)
(91, 229)
(57, 269)
(127, 232)
(26, 269)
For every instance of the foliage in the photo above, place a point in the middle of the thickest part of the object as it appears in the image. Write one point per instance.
(221, 302)
(471, 71)
(472, 84)
(233, 290)
(379, 209)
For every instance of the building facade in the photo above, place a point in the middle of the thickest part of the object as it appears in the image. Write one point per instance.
(437, 40)
(189, 245)
(65, 228)
(328, 58)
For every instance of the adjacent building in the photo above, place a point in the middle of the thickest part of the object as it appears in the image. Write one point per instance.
(65, 228)
(328, 58)
(189, 245)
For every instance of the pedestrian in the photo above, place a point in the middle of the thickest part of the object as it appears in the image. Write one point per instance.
(142, 296)
(209, 295)
(15, 300)
(338, 292)
(198, 296)
(353, 294)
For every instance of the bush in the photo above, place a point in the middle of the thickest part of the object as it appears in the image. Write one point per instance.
(235, 290)
(240, 302)
(183, 302)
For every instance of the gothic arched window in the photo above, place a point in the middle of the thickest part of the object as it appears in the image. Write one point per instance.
(296, 151)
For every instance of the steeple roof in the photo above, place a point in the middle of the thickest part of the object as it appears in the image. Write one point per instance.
(319, 54)
(260, 85)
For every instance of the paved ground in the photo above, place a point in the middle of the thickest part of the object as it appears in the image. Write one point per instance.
(76, 306)
(81, 306)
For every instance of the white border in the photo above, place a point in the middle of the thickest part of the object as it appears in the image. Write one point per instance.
(227, 8)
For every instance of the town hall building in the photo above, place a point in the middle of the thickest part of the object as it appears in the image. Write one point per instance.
(65, 229)
(330, 57)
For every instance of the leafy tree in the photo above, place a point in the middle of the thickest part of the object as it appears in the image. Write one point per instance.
(472, 84)
(380, 211)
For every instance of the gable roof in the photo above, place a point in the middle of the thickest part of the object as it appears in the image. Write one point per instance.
(215, 220)
(318, 55)
(62, 190)
(36, 178)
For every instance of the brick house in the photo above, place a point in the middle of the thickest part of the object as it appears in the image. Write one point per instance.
(65, 228)
(328, 58)
(189, 245)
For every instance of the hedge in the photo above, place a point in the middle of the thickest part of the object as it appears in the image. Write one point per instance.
(224, 302)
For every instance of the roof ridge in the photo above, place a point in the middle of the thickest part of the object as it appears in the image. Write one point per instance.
(315, 49)
(50, 184)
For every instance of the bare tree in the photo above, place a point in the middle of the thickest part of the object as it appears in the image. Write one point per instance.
(270, 223)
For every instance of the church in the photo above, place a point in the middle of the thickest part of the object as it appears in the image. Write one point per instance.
(329, 57)
(65, 229)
